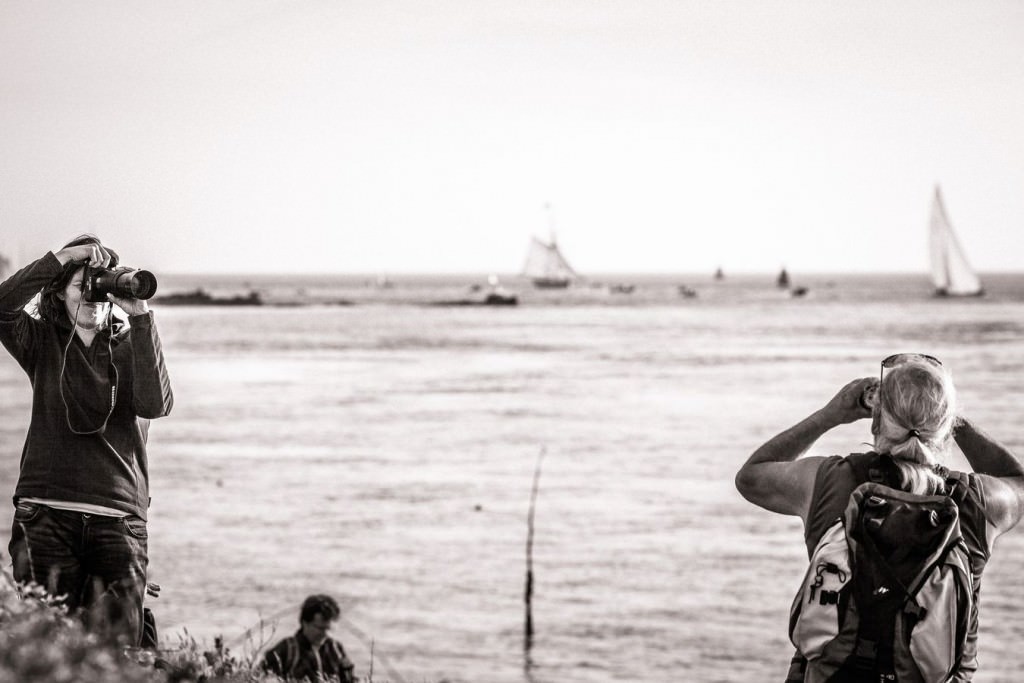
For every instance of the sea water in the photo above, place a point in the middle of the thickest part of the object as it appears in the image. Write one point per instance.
(384, 452)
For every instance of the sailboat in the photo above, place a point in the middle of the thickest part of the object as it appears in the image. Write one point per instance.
(545, 265)
(951, 273)
(782, 282)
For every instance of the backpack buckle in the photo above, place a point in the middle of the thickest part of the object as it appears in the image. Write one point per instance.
(915, 610)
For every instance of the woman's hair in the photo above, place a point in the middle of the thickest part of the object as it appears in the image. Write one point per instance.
(916, 411)
(50, 306)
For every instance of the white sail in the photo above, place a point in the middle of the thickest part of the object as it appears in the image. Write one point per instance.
(546, 265)
(951, 272)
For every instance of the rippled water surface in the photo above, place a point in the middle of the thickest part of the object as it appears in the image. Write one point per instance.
(384, 451)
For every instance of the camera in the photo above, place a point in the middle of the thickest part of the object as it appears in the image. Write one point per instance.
(123, 282)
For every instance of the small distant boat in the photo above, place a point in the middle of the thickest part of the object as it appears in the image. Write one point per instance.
(501, 299)
(686, 292)
(489, 300)
(783, 280)
(719, 274)
(621, 288)
(951, 273)
(496, 296)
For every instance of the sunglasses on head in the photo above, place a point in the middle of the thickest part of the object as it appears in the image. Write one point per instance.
(901, 358)
(873, 393)
(897, 359)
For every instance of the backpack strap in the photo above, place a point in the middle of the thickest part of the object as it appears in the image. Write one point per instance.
(878, 470)
(837, 477)
(797, 667)
(958, 484)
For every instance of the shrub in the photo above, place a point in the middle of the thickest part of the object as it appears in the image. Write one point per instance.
(41, 643)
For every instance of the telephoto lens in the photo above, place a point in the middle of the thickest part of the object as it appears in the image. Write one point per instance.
(126, 283)
(134, 284)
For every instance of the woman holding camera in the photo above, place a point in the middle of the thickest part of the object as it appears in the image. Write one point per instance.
(914, 420)
(83, 488)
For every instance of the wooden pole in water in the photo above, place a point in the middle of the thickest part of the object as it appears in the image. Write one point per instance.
(529, 551)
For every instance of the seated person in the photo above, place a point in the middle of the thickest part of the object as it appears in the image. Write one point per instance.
(311, 653)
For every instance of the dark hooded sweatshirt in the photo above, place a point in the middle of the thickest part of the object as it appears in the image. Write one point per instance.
(106, 468)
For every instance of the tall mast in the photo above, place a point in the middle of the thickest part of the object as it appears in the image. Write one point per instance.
(549, 210)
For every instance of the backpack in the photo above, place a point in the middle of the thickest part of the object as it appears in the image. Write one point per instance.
(888, 593)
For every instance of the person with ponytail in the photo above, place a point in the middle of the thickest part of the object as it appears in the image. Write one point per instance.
(915, 421)
(82, 494)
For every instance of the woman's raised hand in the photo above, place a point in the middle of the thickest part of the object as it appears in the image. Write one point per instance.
(94, 255)
(130, 306)
(846, 406)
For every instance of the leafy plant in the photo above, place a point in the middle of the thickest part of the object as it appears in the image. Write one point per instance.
(40, 642)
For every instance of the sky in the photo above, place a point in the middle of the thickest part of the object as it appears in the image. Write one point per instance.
(380, 136)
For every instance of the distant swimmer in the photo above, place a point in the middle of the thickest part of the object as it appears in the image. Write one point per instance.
(892, 590)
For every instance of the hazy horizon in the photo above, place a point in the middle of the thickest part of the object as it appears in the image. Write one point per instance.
(582, 276)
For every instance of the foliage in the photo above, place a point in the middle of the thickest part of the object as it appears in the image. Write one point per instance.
(40, 642)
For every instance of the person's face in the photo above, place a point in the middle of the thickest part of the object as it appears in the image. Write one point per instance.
(317, 630)
(90, 315)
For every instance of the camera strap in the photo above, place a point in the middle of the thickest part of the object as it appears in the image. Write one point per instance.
(112, 375)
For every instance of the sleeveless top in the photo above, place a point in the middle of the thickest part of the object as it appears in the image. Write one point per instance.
(836, 479)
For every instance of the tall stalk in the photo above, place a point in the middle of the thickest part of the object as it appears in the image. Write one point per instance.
(529, 551)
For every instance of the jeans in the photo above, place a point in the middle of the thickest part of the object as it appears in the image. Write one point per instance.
(96, 565)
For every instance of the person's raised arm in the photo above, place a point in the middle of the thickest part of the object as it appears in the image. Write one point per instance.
(775, 477)
(152, 396)
(19, 288)
(1003, 474)
(17, 328)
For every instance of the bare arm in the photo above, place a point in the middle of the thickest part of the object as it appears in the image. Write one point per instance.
(1002, 475)
(775, 477)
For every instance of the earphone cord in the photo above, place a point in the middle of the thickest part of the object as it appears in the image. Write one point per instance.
(63, 366)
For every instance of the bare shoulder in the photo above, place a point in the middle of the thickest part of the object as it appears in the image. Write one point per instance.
(1004, 501)
(782, 487)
